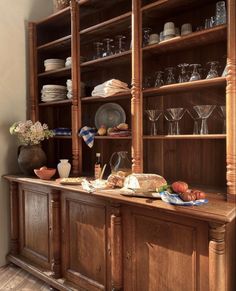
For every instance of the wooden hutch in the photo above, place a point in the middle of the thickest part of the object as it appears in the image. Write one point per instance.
(105, 241)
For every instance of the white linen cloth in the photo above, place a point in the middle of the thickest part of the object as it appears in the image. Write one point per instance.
(109, 88)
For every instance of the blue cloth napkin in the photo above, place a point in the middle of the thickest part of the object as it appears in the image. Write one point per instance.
(62, 131)
(88, 134)
(176, 200)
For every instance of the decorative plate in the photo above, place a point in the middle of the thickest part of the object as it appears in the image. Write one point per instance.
(109, 115)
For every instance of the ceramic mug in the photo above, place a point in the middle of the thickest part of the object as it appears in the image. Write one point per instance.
(154, 38)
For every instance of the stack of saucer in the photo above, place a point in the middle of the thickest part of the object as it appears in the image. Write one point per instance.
(51, 93)
(169, 30)
(54, 64)
(69, 89)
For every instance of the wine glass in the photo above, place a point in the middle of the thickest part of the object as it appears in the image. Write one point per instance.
(153, 116)
(108, 51)
(98, 47)
(204, 111)
(193, 114)
(120, 46)
(221, 14)
(183, 76)
(176, 114)
(213, 73)
(170, 76)
(222, 112)
(171, 123)
(147, 83)
(146, 35)
(159, 79)
(195, 74)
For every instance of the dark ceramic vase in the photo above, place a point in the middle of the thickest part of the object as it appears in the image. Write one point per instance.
(31, 157)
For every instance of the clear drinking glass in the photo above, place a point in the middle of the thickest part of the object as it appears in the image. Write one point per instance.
(147, 83)
(193, 114)
(221, 14)
(98, 50)
(204, 111)
(171, 123)
(222, 112)
(176, 114)
(120, 43)
(159, 79)
(195, 74)
(170, 79)
(153, 116)
(213, 73)
(183, 76)
(146, 35)
(108, 50)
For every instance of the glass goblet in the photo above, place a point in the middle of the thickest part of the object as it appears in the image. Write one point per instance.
(213, 73)
(153, 116)
(108, 50)
(195, 74)
(222, 112)
(170, 79)
(204, 111)
(183, 76)
(98, 50)
(171, 123)
(159, 79)
(176, 114)
(120, 43)
(193, 114)
(146, 35)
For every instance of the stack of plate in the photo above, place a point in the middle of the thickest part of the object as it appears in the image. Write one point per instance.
(51, 93)
(54, 64)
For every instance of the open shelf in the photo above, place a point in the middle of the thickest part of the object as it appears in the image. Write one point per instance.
(195, 39)
(188, 86)
(56, 103)
(112, 137)
(55, 17)
(118, 96)
(110, 60)
(186, 136)
(62, 136)
(64, 72)
(58, 44)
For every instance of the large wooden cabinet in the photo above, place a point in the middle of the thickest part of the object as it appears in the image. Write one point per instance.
(75, 240)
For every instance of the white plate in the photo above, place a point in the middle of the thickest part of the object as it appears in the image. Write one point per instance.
(109, 115)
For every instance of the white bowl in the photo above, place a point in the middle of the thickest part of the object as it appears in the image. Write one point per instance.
(186, 28)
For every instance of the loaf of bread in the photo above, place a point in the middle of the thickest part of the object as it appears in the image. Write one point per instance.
(142, 183)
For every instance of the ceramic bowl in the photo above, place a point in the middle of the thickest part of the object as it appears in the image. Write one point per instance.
(45, 173)
(186, 28)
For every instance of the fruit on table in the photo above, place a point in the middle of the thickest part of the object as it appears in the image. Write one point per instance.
(179, 187)
(191, 195)
(43, 168)
(102, 130)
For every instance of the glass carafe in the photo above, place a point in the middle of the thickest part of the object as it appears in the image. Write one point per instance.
(119, 162)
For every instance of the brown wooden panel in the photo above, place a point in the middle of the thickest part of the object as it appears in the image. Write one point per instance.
(34, 224)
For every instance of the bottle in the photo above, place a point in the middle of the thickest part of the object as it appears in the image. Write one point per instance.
(64, 168)
(97, 166)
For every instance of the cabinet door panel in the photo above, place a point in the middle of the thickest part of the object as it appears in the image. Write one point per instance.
(85, 243)
(34, 223)
(162, 255)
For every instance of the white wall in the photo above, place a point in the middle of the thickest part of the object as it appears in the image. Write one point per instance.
(13, 90)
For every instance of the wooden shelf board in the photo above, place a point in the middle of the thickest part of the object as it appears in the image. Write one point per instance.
(56, 73)
(188, 86)
(112, 137)
(114, 58)
(61, 43)
(54, 17)
(195, 39)
(62, 137)
(56, 103)
(104, 99)
(185, 136)
(107, 25)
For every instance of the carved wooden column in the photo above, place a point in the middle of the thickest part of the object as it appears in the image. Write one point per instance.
(217, 270)
(33, 100)
(76, 103)
(116, 250)
(14, 204)
(55, 234)
(136, 91)
(231, 103)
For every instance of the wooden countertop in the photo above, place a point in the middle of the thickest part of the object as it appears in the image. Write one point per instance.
(216, 210)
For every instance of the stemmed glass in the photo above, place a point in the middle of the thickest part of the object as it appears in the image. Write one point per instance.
(176, 114)
(213, 70)
(204, 111)
(193, 114)
(108, 51)
(159, 79)
(120, 47)
(183, 76)
(153, 116)
(146, 35)
(170, 76)
(98, 47)
(222, 112)
(169, 118)
(195, 74)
